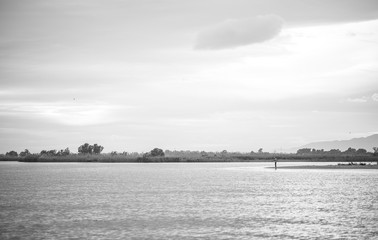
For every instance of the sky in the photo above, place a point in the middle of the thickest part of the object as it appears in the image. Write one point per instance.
(212, 75)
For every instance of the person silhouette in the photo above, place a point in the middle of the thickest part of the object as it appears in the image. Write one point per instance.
(275, 163)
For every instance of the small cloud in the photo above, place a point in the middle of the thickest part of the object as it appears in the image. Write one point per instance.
(240, 32)
(281, 126)
(358, 100)
(375, 97)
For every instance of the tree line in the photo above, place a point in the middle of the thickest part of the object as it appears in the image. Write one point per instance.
(96, 150)
(84, 149)
(349, 151)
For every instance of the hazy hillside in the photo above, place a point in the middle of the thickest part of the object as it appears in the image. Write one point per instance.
(365, 142)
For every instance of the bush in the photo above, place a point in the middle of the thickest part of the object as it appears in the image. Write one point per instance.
(31, 158)
(11, 154)
(157, 152)
(89, 149)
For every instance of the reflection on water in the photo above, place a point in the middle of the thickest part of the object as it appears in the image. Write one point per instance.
(185, 201)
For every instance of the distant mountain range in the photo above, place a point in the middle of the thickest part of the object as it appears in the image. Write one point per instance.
(365, 142)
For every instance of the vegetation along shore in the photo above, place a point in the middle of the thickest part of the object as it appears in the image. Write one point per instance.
(93, 153)
(351, 165)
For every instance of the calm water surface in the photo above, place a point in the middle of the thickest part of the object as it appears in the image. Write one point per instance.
(185, 201)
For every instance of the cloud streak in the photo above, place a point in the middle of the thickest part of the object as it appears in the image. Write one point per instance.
(240, 32)
(375, 97)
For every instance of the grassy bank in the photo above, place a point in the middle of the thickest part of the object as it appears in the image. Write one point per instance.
(107, 158)
(336, 166)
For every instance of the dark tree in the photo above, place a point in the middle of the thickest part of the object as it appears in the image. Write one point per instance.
(304, 151)
(97, 149)
(375, 149)
(260, 151)
(350, 151)
(157, 152)
(25, 153)
(43, 152)
(12, 154)
(361, 151)
(51, 152)
(66, 152)
(85, 149)
(89, 149)
(334, 151)
(62, 152)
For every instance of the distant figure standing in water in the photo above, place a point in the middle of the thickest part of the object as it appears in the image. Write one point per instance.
(275, 163)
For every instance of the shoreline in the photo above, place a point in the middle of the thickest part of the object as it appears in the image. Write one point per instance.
(246, 159)
(340, 166)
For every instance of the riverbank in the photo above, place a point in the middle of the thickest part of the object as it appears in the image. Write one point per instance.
(338, 166)
(108, 158)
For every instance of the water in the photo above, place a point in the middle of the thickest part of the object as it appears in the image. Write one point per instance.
(185, 201)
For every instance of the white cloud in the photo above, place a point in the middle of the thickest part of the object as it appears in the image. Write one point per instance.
(80, 114)
(239, 32)
(358, 100)
(375, 97)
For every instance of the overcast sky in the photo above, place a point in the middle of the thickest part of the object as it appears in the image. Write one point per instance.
(186, 75)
